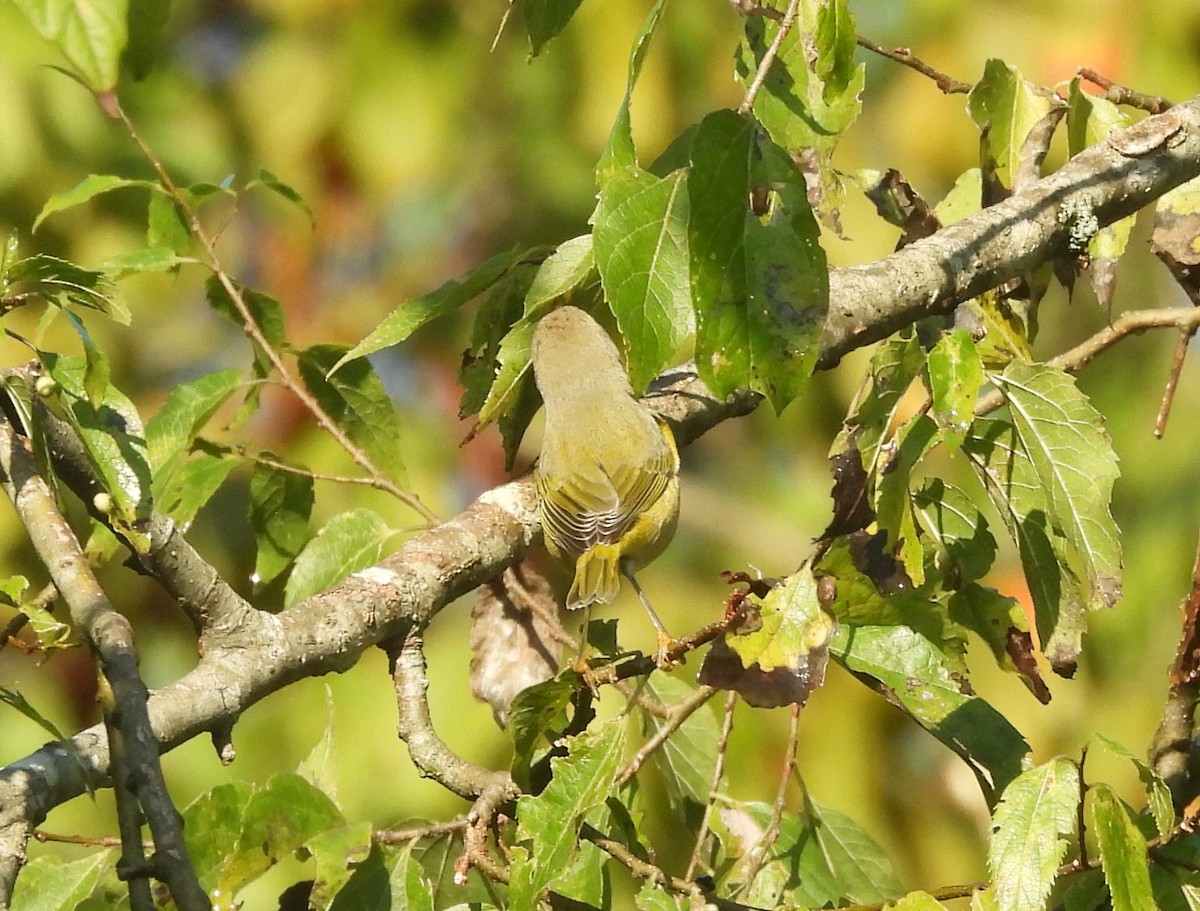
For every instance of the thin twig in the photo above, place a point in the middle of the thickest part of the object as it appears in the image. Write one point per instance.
(902, 55)
(714, 785)
(680, 712)
(1119, 94)
(430, 830)
(768, 59)
(757, 855)
(1168, 398)
(1131, 322)
(254, 331)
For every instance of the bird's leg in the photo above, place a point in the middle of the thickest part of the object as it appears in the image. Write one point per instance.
(665, 639)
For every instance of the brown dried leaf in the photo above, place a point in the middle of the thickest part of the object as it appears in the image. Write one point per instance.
(516, 637)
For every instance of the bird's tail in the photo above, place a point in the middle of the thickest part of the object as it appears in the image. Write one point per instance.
(597, 576)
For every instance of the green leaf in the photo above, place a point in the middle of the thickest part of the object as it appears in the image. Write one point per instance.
(688, 757)
(191, 484)
(538, 712)
(113, 440)
(90, 187)
(291, 194)
(49, 884)
(96, 372)
(183, 415)
(792, 625)
(356, 400)
(917, 677)
(821, 858)
(91, 34)
(278, 818)
(1158, 795)
(619, 152)
(917, 901)
(147, 21)
(336, 852)
(147, 259)
(280, 506)
(893, 499)
(512, 371)
(653, 897)
(641, 250)
(1008, 108)
(62, 284)
(567, 269)
(1031, 828)
(266, 313)
(871, 416)
(811, 93)
(1123, 852)
(211, 826)
(545, 19)
(760, 290)
(349, 542)
(165, 224)
(548, 824)
(1013, 485)
(411, 891)
(1074, 461)
(955, 375)
(965, 546)
(18, 701)
(413, 314)
(964, 198)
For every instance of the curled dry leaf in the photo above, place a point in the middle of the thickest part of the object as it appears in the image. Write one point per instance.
(516, 637)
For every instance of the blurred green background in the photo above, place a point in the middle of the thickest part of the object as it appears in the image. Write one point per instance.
(422, 152)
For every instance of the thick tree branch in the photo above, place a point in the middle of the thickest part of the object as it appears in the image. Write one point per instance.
(1100, 185)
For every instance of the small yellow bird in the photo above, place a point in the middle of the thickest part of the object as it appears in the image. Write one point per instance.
(608, 476)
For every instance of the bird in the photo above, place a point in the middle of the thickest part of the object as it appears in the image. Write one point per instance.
(607, 477)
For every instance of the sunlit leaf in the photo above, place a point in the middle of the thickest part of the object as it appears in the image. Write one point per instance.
(1123, 852)
(1008, 108)
(280, 506)
(955, 375)
(350, 541)
(1031, 828)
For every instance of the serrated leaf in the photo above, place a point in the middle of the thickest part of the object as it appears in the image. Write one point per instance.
(165, 224)
(966, 548)
(535, 713)
(1074, 460)
(760, 290)
(568, 268)
(62, 284)
(688, 757)
(277, 819)
(356, 400)
(917, 677)
(281, 503)
(349, 542)
(1009, 477)
(113, 439)
(894, 365)
(545, 19)
(1007, 108)
(266, 313)
(1123, 853)
(892, 501)
(49, 884)
(793, 624)
(410, 889)
(1031, 828)
(1158, 795)
(90, 187)
(211, 826)
(191, 484)
(183, 415)
(147, 259)
(415, 313)
(336, 853)
(812, 91)
(640, 241)
(955, 375)
(96, 372)
(548, 824)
